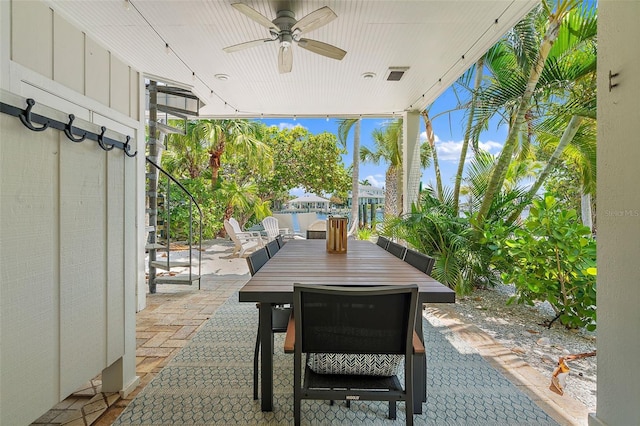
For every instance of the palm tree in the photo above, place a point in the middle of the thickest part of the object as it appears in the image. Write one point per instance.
(233, 137)
(186, 155)
(387, 149)
(572, 124)
(344, 128)
(522, 86)
(241, 197)
(467, 135)
(434, 153)
(365, 182)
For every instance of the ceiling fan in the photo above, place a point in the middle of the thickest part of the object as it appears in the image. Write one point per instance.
(287, 30)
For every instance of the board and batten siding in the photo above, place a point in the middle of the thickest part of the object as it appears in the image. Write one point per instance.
(69, 258)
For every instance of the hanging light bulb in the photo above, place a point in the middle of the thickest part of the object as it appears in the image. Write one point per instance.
(126, 5)
(167, 49)
(193, 75)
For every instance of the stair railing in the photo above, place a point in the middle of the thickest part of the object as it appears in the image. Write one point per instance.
(192, 202)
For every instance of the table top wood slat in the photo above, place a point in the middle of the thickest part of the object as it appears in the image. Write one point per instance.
(365, 263)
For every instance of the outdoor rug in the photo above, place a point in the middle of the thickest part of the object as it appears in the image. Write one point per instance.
(210, 382)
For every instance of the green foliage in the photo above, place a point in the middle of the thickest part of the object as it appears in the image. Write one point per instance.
(553, 259)
(434, 229)
(301, 159)
(364, 234)
(212, 211)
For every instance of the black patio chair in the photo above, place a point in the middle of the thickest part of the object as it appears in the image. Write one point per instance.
(280, 240)
(280, 314)
(272, 248)
(316, 235)
(419, 261)
(383, 242)
(340, 330)
(396, 249)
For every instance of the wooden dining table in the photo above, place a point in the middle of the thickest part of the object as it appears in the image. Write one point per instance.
(307, 261)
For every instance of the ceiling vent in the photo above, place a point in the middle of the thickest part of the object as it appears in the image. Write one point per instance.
(396, 73)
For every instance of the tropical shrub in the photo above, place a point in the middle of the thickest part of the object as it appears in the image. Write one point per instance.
(553, 259)
(364, 234)
(179, 210)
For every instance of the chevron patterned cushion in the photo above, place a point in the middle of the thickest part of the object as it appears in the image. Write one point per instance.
(362, 364)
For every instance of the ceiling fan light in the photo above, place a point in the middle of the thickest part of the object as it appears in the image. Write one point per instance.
(369, 75)
(286, 40)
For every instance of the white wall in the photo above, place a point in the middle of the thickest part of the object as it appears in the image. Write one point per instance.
(618, 214)
(69, 214)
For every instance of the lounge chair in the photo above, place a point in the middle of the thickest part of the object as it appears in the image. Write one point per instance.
(272, 228)
(244, 241)
(285, 221)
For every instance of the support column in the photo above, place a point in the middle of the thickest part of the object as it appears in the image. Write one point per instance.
(411, 172)
(618, 214)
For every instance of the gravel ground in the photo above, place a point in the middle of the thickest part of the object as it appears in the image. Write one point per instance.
(521, 329)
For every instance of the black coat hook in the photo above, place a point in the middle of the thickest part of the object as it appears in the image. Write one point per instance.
(68, 130)
(101, 140)
(127, 147)
(25, 117)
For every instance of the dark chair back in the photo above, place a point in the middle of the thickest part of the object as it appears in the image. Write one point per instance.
(316, 235)
(257, 259)
(280, 240)
(272, 248)
(419, 261)
(383, 242)
(352, 323)
(396, 249)
(336, 319)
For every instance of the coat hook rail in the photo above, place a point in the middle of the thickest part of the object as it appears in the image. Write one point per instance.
(31, 119)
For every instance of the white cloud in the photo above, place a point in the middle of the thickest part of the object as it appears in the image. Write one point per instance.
(491, 146)
(285, 125)
(450, 150)
(377, 180)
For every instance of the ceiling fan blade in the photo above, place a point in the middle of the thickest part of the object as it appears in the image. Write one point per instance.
(246, 45)
(285, 59)
(256, 16)
(314, 20)
(321, 48)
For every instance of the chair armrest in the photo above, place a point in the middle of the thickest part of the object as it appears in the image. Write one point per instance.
(418, 347)
(249, 236)
(290, 337)
(283, 231)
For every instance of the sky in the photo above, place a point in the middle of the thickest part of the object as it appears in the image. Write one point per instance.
(448, 129)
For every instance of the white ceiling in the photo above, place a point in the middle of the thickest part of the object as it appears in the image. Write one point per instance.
(429, 36)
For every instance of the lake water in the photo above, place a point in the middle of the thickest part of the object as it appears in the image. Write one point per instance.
(323, 216)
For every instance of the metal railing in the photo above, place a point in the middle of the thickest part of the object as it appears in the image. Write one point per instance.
(192, 202)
